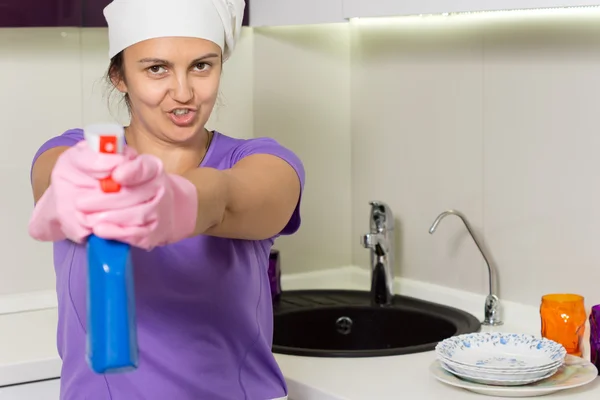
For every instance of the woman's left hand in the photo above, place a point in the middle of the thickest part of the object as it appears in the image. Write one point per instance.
(128, 216)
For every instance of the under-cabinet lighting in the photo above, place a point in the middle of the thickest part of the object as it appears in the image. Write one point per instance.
(580, 11)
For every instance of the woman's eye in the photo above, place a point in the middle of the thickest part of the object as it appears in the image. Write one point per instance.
(156, 69)
(202, 66)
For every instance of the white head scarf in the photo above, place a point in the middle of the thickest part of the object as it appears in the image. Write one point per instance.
(133, 21)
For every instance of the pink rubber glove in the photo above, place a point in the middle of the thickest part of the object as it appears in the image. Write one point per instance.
(152, 209)
(76, 174)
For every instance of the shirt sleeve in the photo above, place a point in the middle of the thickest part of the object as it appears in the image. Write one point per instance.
(272, 147)
(69, 138)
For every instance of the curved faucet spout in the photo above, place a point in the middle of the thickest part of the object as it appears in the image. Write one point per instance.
(492, 301)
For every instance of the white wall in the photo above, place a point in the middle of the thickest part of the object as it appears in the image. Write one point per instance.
(498, 120)
(51, 81)
(302, 99)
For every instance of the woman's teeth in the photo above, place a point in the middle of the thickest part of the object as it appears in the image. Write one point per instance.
(181, 111)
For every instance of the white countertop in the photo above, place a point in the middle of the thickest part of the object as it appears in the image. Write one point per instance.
(28, 346)
(28, 350)
(401, 377)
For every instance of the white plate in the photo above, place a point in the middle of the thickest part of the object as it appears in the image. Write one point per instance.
(574, 373)
(504, 381)
(500, 370)
(496, 350)
(498, 374)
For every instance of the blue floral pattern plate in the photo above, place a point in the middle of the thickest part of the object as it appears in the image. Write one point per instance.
(575, 372)
(501, 351)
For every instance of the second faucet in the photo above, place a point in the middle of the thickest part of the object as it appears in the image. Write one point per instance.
(492, 306)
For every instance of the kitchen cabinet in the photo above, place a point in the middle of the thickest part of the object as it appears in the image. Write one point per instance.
(93, 16)
(295, 12)
(36, 13)
(389, 8)
(57, 13)
(43, 390)
(246, 19)
(92, 13)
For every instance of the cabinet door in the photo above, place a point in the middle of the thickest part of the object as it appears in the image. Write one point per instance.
(36, 13)
(390, 8)
(295, 12)
(246, 19)
(93, 16)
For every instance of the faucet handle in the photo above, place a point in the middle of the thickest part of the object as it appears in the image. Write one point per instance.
(381, 218)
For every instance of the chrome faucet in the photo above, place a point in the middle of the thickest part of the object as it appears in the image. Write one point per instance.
(380, 241)
(491, 309)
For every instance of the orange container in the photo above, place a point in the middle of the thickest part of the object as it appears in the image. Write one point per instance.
(563, 320)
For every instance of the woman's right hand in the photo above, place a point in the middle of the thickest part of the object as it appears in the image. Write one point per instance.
(76, 173)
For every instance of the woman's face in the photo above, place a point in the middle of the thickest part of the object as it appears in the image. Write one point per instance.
(172, 85)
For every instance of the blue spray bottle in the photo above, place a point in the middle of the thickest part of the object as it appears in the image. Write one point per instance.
(111, 329)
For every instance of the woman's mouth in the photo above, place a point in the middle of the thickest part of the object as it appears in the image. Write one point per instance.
(182, 116)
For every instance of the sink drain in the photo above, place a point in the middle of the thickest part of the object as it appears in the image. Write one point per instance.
(344, 325)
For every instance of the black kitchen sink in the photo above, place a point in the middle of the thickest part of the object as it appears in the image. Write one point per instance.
(343, 323)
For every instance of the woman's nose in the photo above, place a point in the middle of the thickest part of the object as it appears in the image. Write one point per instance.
(182, 90)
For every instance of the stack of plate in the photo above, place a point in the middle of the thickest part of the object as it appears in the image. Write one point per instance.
(501, 359)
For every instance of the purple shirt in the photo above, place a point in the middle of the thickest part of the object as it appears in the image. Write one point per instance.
(203, 308)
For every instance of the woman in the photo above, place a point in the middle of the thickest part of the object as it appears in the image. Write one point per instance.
(200, 208)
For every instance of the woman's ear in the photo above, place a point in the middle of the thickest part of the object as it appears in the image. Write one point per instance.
(118, 81)
(120, 85)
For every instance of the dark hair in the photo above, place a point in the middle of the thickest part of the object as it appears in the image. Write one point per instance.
(116, 74)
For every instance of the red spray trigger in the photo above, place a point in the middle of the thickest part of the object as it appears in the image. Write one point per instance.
(108, 145)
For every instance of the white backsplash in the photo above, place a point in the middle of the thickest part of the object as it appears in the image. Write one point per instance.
(496, 121)
(499, 121)
(302, 99)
